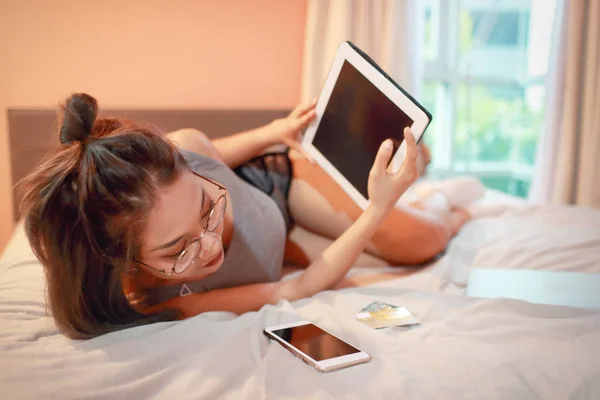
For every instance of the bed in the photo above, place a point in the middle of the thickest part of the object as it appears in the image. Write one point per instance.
(465, 347)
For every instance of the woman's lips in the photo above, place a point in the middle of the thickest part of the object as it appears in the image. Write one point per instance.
(215, 260)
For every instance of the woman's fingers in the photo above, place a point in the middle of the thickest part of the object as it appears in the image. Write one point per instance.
(298, 147)
(302, 122)
(409, 170)
(382, 158)
(411, 144)
(303, 108)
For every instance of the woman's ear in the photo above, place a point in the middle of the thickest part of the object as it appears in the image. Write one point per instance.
(132, 269)
(129, 281)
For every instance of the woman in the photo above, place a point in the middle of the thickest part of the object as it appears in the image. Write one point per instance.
(133, 230)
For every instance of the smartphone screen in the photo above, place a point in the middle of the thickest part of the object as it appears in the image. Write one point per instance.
(357, 119)
(315, 342)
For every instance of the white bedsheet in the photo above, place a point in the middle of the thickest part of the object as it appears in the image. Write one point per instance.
(465, 348)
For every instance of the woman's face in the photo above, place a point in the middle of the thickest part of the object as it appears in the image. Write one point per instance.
(178, 217)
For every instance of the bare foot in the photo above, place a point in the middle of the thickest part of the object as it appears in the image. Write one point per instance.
(460, 190)
(458, 217)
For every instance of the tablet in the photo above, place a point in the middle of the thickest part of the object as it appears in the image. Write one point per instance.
(359, 107)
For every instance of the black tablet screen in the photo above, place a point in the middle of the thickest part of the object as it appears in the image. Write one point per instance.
(357, 119)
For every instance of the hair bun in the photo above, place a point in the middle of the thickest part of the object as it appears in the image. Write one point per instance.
(79, 114)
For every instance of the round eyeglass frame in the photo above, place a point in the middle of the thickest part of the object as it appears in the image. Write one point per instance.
(196, 242)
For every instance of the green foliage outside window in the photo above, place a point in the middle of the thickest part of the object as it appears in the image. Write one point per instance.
(494, 123)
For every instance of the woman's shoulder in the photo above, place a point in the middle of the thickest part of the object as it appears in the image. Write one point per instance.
(192, 141)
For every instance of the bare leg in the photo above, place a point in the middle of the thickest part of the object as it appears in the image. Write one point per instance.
(409, 235)
(303, 247)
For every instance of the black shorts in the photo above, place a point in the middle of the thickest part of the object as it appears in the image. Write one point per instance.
(272, 174)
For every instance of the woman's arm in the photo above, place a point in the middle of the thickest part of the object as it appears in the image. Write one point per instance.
(324, 273)
(237, 149)
(233, 150)
(330, 268)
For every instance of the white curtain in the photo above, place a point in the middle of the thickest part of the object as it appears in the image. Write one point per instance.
(568, 160)
(388, 30)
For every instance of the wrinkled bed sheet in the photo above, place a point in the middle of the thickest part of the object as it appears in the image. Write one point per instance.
(465, 347)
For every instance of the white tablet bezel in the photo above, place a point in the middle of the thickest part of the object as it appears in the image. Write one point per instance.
(323, 365)
(421, 120)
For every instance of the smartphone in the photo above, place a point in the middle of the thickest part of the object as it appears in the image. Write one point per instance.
(316, 347)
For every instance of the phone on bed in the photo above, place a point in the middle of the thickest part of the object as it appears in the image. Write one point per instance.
(359, 107)
(316, 347)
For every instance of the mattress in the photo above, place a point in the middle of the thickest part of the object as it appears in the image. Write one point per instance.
(465, 347)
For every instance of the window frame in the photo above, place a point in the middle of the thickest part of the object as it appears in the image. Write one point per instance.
(443, 70)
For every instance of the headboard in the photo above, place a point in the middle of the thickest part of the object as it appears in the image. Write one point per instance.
(32, 133)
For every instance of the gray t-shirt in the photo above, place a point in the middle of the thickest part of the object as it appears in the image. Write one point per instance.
(255, 254)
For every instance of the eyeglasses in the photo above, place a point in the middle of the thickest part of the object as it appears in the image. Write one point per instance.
(188, 256)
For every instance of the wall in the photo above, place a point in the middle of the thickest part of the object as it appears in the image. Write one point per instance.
(146, 54)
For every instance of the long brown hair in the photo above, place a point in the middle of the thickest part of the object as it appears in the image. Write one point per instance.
(84, 209)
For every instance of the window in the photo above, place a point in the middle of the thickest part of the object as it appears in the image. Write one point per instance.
(506, 28)
(485, 63)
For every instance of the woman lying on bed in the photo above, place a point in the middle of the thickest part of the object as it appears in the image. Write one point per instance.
(132, 229)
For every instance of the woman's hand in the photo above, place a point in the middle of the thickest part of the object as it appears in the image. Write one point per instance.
(235, 150)
(386, 187)
(289, 130)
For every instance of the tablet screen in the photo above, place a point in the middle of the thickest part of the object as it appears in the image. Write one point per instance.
(356, 120)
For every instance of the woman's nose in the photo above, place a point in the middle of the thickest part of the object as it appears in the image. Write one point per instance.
(210, 245)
